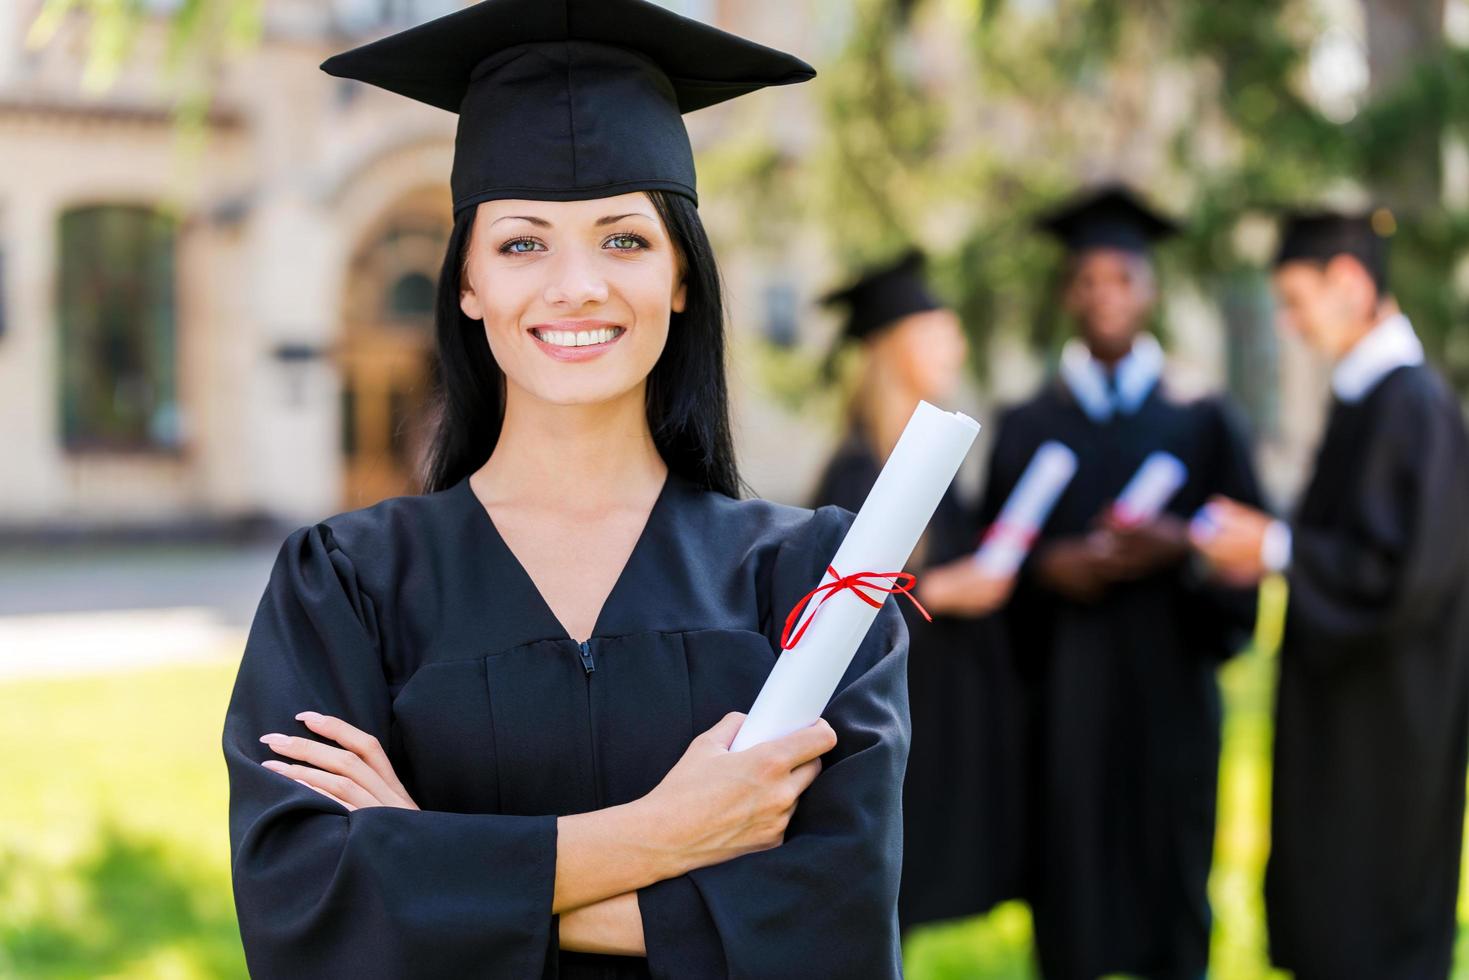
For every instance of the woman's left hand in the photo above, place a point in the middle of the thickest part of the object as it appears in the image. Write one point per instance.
(358, 774)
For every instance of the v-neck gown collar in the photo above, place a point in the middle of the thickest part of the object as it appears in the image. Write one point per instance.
(519, 589)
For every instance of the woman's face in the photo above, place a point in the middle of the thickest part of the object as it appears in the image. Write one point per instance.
(927, 352)
(575, 296)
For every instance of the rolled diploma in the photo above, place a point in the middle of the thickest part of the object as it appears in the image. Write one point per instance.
(881, 539)
(1151, 487)
(1009, 539)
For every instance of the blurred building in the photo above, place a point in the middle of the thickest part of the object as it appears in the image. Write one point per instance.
(244, 329)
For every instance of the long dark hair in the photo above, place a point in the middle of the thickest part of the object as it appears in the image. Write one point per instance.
(687, 397)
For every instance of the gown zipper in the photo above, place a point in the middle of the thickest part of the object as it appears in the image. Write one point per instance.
(589, 665)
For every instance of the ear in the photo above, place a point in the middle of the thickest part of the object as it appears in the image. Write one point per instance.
(1352, 282)
(680, 300)
(469, 301)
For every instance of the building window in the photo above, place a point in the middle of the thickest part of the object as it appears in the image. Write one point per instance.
(782, 313)
(412, 297)
(116, 309)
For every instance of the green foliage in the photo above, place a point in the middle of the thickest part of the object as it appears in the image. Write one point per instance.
(200, 34)
(1060, 92)
(114, 854)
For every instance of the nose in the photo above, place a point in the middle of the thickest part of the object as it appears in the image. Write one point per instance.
(575, 281)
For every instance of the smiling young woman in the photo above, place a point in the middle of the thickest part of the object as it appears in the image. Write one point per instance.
(485, 731)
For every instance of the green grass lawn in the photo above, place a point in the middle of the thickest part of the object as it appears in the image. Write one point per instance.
(114, 856)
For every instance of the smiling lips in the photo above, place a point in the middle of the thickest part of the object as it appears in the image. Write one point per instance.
(576, 340)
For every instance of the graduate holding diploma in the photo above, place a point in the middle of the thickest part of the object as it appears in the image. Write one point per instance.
(1115, 633)
(485, 731)
(961, 815)
(1372, 711)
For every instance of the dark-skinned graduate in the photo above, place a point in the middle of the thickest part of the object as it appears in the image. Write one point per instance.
(961, 796)
(1117, 633)
(1372, 709)
(484, 731)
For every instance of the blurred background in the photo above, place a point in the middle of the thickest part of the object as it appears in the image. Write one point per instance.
(216, 278)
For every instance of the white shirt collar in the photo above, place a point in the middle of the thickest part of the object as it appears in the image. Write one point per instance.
(1137, 375)
(1386, 347)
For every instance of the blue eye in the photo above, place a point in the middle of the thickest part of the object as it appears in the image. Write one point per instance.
(520, 246)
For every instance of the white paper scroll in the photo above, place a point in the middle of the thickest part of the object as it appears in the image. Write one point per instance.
(1151, 487)
(1010, 537)
(881, 539)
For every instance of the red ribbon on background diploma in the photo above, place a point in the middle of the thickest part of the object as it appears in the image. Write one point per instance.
(1024, 537)
(903, 583)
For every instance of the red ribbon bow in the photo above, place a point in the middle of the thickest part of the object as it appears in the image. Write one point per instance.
(903, 583)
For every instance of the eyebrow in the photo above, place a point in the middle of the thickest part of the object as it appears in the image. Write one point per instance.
(610, 219)
(538, 222)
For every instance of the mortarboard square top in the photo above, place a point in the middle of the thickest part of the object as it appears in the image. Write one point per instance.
(1111, 216)
(566, 100)
(884, 295)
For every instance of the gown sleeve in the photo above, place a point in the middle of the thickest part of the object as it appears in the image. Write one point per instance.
(1398, 554)
(1220, 619)
(824, 903)
(321, 892)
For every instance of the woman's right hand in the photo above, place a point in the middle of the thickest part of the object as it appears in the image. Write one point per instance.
(714, 804)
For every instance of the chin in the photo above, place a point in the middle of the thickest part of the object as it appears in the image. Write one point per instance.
(586, 391)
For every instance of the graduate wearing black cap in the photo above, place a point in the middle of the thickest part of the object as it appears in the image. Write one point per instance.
(1372, 712)
(962, 823)
(1115, 633)
(484, 731)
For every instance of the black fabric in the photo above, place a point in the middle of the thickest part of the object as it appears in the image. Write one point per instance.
(1126, 707)
(414, 621)
(1111, 216)
(1372, 713)
(963, 826)
(883, 295)
(1320, 236)
(568, 99)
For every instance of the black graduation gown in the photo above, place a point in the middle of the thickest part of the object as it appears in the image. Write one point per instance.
(962, 817)
(1372, 711)
(414, 621)
(1125, 701)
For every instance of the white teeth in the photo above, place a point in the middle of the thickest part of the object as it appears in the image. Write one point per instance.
(577, 338)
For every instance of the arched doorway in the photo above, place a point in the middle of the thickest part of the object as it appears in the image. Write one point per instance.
(387, 352)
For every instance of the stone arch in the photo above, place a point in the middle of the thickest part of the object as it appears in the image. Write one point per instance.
(393, 218)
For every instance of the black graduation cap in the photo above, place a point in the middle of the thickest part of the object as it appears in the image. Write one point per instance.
(883, 294)
(1111, 216)
(566, 100)
(1321, 236)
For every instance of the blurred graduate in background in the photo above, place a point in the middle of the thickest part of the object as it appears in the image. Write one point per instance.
(1372, 712)
(1116, 634)
(961, 798)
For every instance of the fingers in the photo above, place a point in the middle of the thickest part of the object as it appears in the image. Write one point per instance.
(725, 730)
(317, 789)
(356, 741)
(804, 775)
(340, 788)
(337, 761)
(806, 744)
